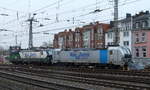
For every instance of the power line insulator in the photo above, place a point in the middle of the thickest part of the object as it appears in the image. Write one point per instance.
(97, 10)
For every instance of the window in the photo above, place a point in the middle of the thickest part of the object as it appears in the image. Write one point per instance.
(109, 43)
(99, 34)
(96, 36)
(110, 35)
(144, 24)
(128, 26)
(100, 31)
(144, 51)
(86, 39)
(126, 43)
(77, 36)
(136, 38)
(41, 52)
(137, 25)
(137, 52)
(143, 37)
(126, 34)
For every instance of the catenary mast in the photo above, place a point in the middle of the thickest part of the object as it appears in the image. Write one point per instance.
(30, 31)
(115, 29)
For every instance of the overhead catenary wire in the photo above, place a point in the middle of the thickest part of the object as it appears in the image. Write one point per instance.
(11, 21)
(98, 10)
(12, 10)
(60, 2)
(47, 6)
(63, 28)
(90, 13)
(78, 9)
(83, 14)
(110, 7)
(104, 10)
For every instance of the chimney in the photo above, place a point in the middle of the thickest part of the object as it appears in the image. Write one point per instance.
(70, 30)
(97, 22)
(111, 23)
(147, 12)
(65, 30)
(136, 15)
(128, 15)
(141, 13)
(91, 23)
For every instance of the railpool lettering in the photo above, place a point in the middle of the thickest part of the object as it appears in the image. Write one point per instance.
(30, 54)
(79, 55)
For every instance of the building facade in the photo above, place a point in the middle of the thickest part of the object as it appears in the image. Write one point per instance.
(125, 29)
(60, 40)
(141, 37)
(88, 36)
(78, 38)
(109, 38)
(55, 41)
(134, 33)
(70, 39)
(125, 32)
(100, 30)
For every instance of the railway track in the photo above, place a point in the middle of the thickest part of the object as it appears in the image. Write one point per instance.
(144, 73)
(108, 80)
(103, 81)
(49, 83)
(22, 78)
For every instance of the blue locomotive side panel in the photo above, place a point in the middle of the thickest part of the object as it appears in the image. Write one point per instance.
(80, 55)
(77, 56)
(103, 56)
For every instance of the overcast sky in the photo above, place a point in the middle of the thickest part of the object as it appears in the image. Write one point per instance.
(54, 16)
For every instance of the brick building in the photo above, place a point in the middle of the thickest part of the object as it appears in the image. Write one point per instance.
(55, 41)
(60, 40)
(94, 35)
(134, 32)
(78, 38)
(70, 39)
(100, 30)
(88, 36)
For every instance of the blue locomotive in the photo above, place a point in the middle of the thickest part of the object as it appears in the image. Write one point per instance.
(118, 56)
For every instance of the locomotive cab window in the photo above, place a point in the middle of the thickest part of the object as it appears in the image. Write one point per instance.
(41, 52)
